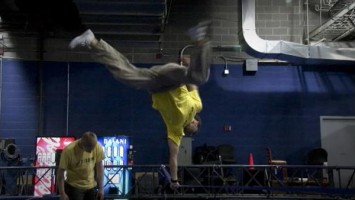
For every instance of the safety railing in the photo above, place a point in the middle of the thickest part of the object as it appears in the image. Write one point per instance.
(197, 181)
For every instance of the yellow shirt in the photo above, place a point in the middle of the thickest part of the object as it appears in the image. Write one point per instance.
(178, 108)
(80, 164)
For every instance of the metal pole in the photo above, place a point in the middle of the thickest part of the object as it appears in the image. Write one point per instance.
(68, 99)
(307, 21)
(0, 86)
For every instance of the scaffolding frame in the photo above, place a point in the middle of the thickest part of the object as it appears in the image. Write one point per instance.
(208, 181)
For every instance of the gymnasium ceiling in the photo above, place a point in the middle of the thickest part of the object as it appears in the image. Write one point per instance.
(137, 20)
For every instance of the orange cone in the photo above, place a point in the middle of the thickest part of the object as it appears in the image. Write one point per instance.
(251, 161)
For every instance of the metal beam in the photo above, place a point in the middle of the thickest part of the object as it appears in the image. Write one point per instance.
(332, 20)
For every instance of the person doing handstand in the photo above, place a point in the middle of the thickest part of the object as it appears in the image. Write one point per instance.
(173, 87)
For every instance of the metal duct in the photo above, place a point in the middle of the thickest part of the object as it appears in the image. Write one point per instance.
(288, 51)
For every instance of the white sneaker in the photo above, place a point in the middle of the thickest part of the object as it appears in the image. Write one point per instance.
(82, 40)
(199, 32)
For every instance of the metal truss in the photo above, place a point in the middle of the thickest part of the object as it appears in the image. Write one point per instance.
(341, 24)
(200, 181)
(324, 5)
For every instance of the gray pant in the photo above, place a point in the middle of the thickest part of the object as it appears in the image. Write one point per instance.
(156, 78)
(79, 194)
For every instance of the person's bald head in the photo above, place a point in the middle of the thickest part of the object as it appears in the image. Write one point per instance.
(88, 141)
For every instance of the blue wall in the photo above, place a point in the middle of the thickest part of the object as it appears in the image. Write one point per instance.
(20, 103)
(280, 107)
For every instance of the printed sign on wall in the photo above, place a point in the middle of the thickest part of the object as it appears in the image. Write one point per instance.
(47, 148)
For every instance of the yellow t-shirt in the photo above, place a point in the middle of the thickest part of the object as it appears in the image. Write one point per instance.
(178, 108)
(79, 165)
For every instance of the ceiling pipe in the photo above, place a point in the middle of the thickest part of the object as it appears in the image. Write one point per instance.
(288, 51)
(181, 52)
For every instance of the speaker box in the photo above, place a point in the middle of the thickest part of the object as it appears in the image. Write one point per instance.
(250, 67)
(146, 182)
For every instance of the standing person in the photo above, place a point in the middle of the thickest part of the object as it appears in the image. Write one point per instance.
(173, 86)
(82, 160)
